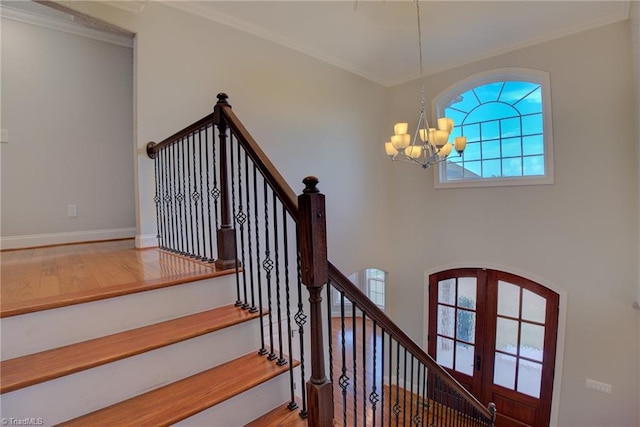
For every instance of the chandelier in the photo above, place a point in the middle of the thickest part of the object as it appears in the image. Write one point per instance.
(428, 145)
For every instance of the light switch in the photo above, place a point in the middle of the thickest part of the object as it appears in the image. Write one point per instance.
(4, 135)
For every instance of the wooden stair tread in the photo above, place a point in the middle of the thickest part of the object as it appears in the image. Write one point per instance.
(174, 402)
(281, 416)
(50, 364)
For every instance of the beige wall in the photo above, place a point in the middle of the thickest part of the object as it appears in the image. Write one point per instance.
(67, 103)
(309, 117)
(579, 235)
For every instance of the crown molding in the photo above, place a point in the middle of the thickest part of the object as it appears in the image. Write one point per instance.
(70, 26)
(194, 8)
(128, 6)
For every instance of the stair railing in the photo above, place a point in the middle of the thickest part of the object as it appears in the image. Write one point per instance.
(226, 203)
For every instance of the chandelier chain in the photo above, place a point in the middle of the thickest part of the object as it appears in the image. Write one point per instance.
(420, 56)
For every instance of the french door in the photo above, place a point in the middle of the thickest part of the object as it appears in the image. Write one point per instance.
(496, 332)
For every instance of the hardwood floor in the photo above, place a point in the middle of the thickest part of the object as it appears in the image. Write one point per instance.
(49, 277)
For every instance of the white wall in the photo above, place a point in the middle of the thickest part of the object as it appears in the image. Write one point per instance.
(579, 235)
(309, 117)
(67, 103)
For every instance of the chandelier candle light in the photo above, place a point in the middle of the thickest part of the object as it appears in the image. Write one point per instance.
(433, 145)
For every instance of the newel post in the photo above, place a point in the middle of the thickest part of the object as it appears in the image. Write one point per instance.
(225, 234)
(314, 270)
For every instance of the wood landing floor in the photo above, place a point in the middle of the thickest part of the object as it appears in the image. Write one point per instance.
(56, 276)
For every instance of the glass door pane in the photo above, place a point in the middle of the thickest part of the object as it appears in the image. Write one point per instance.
(456, 324)
(519, 346)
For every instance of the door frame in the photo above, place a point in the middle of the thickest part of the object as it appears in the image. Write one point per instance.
(562, 318)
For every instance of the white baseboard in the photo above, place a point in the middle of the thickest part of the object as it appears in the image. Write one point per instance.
(33, 240)
(146, 241)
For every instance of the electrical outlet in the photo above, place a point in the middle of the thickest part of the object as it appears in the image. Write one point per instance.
(598, 386)
(72, 211)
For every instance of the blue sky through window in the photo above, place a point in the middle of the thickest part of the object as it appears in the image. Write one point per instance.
(503, 124)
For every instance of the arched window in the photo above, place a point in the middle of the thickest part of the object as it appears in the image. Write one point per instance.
(506, 116)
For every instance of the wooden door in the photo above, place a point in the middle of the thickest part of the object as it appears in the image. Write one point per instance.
(496, 333)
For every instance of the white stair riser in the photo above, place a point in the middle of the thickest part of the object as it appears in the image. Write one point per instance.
(77, 394)
(247, 406)
(34, 332)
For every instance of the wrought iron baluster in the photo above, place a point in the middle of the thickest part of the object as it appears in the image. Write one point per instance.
(252, 308)
(382, 390)
(373, 396)
(390, 379)
(344, 378)
(215, 192)
(281, 359)
(396, 407)
(180, 197)
(267, 264)
(263, 350)
(197, 160)
(364, 368)
(292, 404)
(330, 329)
(157, 198)
(171, 179)
(425, 400)
(188, 200)
(211, 231)
(195, 197)
(301, 319)
(416, 417)
(166, 199)
(241, 218)
(404, 391)
(233, 185)
(355, 364)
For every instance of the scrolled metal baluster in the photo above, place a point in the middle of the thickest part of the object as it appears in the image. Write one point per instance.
(301, 319)
(197, 193)
(355, 366)
(157, 199)
(262, 350)
(292, 404)
(241, 219)
(267, 264)
(188, 198)
(374, 398)
(215, 191)
(281, 359)
(211, 257)
(415, 419)
(252, 308)
(396, 407)
(364, 368)
(404, 391)
(180, 199)
(330, 329)
(233, 185)
(343, 381)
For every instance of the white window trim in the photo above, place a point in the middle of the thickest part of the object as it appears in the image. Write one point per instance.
(502, 74)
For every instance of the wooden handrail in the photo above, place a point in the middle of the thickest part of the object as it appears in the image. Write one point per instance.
(223, 115)
(362, 302)
(279, 185)
(153, 148)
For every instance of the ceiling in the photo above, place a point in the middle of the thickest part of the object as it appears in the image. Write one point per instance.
(378, 40)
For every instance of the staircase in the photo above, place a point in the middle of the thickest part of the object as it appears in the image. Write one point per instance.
(225, 351)
(159, 357)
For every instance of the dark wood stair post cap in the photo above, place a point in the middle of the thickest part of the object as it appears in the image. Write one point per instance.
(222, 98)
(310, 185)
